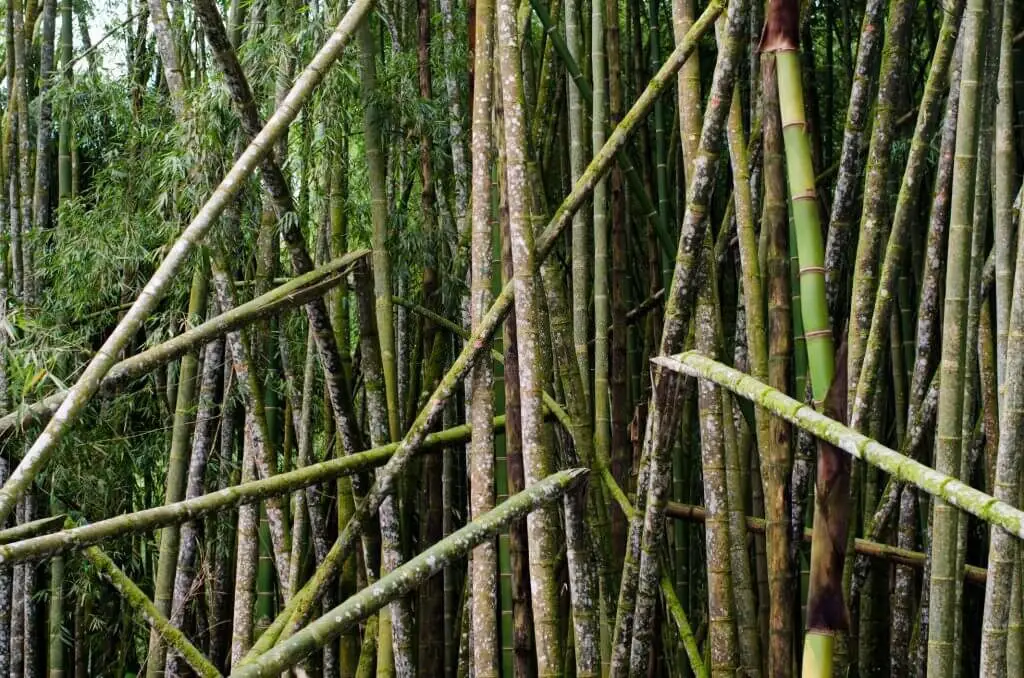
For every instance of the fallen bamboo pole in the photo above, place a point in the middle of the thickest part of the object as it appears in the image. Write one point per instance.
(27, 530)
(409, 576)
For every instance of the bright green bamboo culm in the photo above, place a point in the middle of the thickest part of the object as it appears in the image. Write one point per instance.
(826, 609)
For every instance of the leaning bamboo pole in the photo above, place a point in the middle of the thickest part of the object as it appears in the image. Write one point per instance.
(857, 445)
(294, 292)
(32, 529)
(35, 548)
(144, 607)
(410, 575)
(299, 609)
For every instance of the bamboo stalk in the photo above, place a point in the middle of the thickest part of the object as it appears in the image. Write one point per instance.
(826, 609)
(949, 434)
(1003, 549)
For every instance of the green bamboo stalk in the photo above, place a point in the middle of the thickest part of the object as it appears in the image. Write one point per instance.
(410, 575)
(602, 306)
(580, 221)
(645, 208)
(144, 608)
(757, 348)
(971, 426)
(43, 185)
(949, 437)
(64, 129)
(21, 259)
(599, 164)
(377, 172)
(296, 291)
(88, 383)
(857, 445)
(1005, 160)
(826, 610)
(660, 142)
(55, 659)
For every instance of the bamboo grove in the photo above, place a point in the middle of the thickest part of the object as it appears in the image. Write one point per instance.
(523, 339)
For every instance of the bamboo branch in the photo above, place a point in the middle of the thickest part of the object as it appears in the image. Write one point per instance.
(973, 574)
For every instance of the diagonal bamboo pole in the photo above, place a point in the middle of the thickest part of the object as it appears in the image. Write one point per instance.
(89, 382)
(292, 293)
(145, 608)
(35, 548)
(300, 607)
(27, 530)
(857, 445)
(410, 575)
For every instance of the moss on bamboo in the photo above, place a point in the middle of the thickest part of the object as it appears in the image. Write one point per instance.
(145, 608)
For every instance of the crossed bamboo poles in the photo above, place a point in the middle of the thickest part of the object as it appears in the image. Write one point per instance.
(99, 369)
